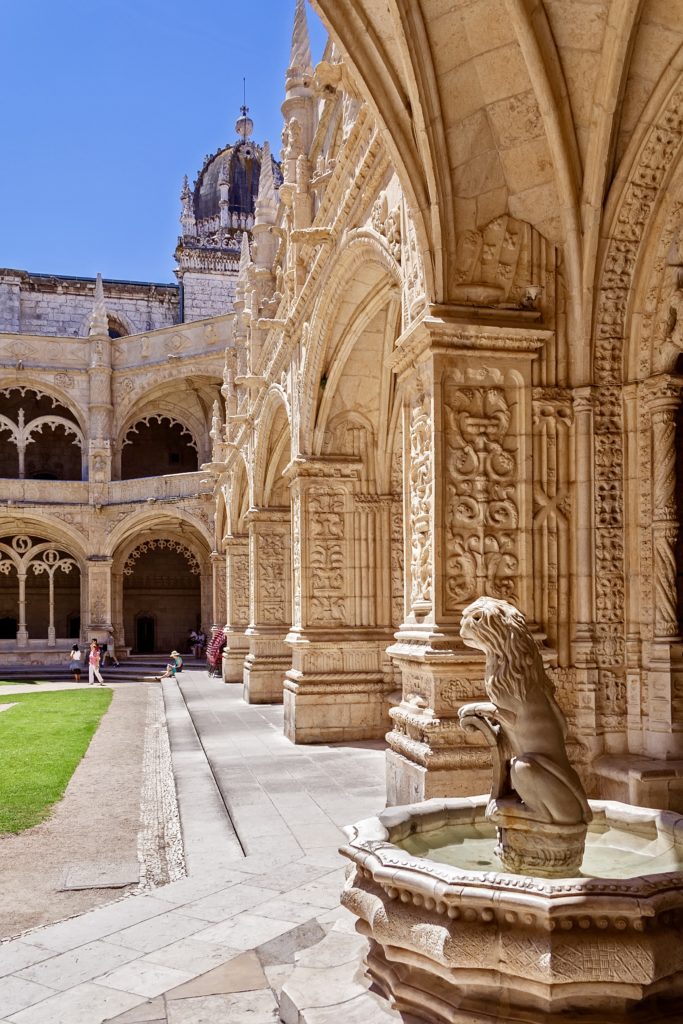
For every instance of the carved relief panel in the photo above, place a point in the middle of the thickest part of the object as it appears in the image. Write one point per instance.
(482, 512)
(328, 561)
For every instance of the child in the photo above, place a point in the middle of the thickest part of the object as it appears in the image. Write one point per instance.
(75, 661)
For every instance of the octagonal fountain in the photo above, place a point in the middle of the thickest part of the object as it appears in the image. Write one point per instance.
(534, 905)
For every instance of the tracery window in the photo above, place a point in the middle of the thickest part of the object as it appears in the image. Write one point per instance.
(40, 439)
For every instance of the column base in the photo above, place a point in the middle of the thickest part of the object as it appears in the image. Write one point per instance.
(233, 658)
(338, 691)
(264, 670)
(430, 754)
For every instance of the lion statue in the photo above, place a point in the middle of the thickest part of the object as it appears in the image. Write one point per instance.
(533, 778)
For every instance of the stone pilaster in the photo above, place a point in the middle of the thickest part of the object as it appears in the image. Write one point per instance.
(99, 607)
(218, 568)
(269, 604)
(467, 490)
(664, 656)
(338, 685)
(237, 608)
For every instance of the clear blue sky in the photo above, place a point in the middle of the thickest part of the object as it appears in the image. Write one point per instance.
(108, 103)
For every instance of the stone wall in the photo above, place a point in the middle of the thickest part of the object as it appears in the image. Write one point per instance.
(206, 295)
(61, 307)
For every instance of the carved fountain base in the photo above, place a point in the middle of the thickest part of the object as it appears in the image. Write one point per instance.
(455, 940)
(538, 848)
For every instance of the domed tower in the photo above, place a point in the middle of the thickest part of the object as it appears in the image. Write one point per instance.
(215, 213)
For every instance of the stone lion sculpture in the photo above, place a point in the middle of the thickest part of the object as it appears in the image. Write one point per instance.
(533, 778)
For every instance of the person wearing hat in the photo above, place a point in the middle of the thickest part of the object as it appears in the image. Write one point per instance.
(173, 666)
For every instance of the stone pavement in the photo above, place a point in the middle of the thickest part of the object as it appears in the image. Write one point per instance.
(261, 823)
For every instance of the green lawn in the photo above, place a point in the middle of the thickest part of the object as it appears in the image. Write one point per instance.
(42, 740)
(18, 682)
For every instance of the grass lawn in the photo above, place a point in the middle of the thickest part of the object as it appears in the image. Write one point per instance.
(18, 682)
(42, 740)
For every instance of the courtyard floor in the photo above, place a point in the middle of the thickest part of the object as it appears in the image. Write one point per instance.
(261, 826)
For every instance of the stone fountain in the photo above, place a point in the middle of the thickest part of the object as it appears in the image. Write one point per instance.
(534, 905)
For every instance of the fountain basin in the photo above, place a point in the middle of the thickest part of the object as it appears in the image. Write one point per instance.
(455, 939)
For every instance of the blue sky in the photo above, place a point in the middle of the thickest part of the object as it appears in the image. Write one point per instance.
(107, 103)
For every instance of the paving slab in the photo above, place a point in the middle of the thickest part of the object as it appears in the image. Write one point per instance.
(217, 946)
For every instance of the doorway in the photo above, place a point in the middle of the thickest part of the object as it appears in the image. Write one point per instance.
(145, 634)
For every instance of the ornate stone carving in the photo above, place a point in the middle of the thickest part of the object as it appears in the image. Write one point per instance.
(161, 545)
(387, 223)
(327, 509)
(421, 471)
(271, 578)
(482, 513)
(537, 801)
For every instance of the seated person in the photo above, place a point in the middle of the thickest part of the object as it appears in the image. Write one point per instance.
(173, 667)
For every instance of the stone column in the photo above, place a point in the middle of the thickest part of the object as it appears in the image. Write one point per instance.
(269, 604)
(664, 733)
(218, 590)
(22, 631)
(99, 586)
(338, 685)
(468, 520)
(237, 608)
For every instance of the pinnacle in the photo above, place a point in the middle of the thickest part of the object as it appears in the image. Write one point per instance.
(301, 44)
(99, 322)
(266, 201)
(245, 260)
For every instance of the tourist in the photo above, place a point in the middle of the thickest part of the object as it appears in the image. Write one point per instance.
(109, 652)
(76, 662)
(199, 644)
(173, 667)
(94, 664)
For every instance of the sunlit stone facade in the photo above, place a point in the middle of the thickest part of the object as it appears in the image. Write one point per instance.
(451, 367)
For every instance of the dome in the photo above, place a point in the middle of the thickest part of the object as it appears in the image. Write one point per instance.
(239, 167)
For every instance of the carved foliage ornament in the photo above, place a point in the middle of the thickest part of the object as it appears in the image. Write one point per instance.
(481, 476)
(421, 473)
(327, 513)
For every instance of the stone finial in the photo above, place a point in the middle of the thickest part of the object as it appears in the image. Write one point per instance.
(187, 217)
(300, 57)
(266, 201)
(245, 260)
(99, 322)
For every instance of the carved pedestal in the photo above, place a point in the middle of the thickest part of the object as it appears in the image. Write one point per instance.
(467, 431)
(270, 605)
(237, 608)
(338, 685)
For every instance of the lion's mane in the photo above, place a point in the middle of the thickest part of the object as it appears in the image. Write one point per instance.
(513, 661)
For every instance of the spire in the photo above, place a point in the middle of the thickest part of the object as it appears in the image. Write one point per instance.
(301, 44)
(245, 260)
(187, 218)
(99, 322)
(266, 201)
(242, 283)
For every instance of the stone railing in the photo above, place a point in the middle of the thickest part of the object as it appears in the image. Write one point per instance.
(176, 485)
(77, 492)
(51, 492)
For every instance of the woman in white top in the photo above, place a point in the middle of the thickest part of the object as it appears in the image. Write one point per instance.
(75, 662)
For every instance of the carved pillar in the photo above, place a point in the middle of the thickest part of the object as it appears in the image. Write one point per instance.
(22, 631)
(218, 590)
(340, 678)
(98, 615)
(237, 608)
(664, 732)
(269, 604)
(468, 520)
